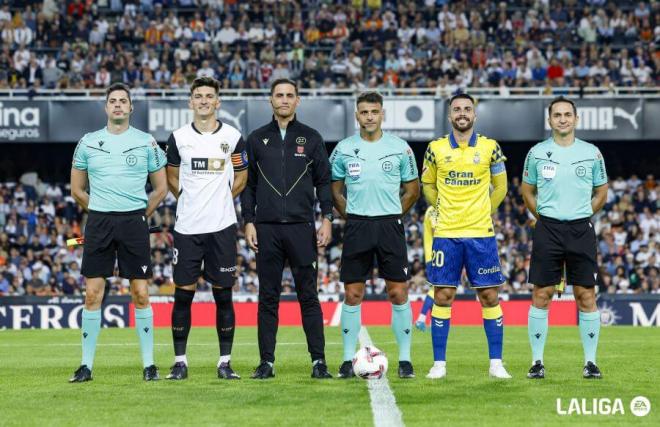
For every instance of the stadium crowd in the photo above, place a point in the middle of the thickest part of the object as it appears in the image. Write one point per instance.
(36, 219)
(443, 46)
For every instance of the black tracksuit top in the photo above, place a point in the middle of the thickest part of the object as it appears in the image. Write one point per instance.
(282, 175)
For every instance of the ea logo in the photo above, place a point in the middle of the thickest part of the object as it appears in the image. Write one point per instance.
(640, 406)
(580, 171)
(131, 160)
(387, 166)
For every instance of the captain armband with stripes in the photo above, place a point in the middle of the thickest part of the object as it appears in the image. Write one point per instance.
(239, 160)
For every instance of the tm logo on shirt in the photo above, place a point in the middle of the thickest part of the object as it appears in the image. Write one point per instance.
(207, 165)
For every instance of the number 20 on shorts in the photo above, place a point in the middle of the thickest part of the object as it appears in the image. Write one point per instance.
(438, 259)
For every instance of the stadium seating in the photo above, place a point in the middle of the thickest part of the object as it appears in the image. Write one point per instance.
(439, 46)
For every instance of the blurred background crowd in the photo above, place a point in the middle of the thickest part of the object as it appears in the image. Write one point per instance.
(437, 45)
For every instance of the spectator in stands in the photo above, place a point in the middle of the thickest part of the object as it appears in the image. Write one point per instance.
(484, 34)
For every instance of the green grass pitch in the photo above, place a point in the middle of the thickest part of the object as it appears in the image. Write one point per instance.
(35, 366)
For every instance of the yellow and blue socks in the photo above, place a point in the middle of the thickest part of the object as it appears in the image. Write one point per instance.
(91, 326)
(589, 332)
(402, 327)
(144, 324)
(537, 331)
(440, 323)
(351, 321)
(494, 327)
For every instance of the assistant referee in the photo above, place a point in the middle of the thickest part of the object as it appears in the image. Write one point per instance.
(287, 162)
(564, 184)
(114, 163)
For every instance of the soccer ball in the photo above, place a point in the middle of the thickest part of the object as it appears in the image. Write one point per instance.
(369, 363)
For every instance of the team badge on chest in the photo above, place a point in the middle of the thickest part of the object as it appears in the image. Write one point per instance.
(477, 158)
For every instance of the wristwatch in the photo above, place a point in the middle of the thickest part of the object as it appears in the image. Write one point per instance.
(329, 216)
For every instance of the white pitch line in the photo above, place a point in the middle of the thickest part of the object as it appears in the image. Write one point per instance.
(383, 402)
(336, 316)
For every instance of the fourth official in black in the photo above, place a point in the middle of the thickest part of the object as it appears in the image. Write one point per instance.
(287, 163)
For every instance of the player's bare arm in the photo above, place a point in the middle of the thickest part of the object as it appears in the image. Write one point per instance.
(529, 197)
(338, 197)
(410, 195)
(240, 180)
(158, 181)
(599, 198)
(79, 187)
(173, 180)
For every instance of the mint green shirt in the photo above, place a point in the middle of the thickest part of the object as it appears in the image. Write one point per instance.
(373, 173)
(118, 167)
(564, 178)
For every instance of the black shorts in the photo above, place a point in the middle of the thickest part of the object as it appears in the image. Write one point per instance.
(366, 237)
(218, 252)
(557, 242)
(117, 236)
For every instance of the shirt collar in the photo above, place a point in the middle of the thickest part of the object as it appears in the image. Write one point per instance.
(215, 131)
(454, 143)
(277, 125)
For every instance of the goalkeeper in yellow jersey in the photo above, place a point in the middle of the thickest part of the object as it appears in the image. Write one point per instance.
(458, 172)
(429, 223)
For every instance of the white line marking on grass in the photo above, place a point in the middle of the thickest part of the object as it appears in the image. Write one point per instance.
(336, 316)
(383, 402)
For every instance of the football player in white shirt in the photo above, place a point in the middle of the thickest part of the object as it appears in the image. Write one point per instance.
(207, 169)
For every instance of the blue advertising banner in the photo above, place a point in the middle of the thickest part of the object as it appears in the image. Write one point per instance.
(635, 310)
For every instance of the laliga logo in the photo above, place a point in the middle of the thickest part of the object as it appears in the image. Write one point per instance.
(640, 406)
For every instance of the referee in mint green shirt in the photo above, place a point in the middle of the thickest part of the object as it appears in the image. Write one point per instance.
(373, 166)
(114, 163)
(564, 184)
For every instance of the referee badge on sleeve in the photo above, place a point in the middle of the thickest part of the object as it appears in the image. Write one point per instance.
(548, 172)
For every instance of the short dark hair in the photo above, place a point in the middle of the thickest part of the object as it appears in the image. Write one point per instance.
(559, 99)
(372, 97)
(117, 86)
(283, 82)
(462, 96)
(205, 81)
